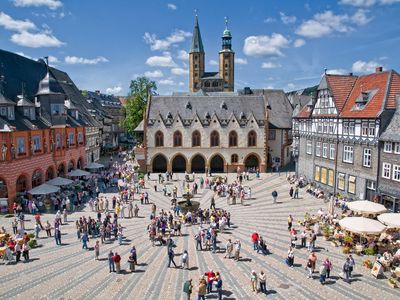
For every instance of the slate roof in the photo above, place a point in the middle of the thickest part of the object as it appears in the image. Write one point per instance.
(392, 131)
(224, 107)
(104, 99)
(197, 43)
(211, 75)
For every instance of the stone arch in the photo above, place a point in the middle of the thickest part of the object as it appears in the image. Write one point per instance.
(217, 163)
(252, 161)
(62, 170)
(159, 163)
(37, 178)
(50, 173)
(22, 183)
(71, 165)
(79, 163)
(178, 163)
(198, 163)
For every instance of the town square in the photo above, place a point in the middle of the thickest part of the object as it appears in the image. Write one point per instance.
(185, 150)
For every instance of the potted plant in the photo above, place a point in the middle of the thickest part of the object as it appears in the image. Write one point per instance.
(392, 282)
(368, 264)
(325, 232)
(348, 241)
(346, 250)
(369, 251)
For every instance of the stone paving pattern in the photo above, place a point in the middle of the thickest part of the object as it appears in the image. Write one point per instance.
(68, 272)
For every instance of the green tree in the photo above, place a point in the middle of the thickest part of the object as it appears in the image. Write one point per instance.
(136, 101)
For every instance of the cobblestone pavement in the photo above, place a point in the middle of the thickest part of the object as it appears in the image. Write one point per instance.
(68, 272)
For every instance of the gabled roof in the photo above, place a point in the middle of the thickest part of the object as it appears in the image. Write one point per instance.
(197, 43)
(393, 90)
(392, 132)
(340, 86)
(306, 111)
(376, 85)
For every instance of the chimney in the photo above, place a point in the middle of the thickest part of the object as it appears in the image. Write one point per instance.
(378, 70)
(351, 74)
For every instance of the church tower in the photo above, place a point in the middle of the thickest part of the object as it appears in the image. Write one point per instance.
(196, 59)
(227, 60)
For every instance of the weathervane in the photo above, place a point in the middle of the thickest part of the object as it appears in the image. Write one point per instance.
(226, 22)
(196, 12)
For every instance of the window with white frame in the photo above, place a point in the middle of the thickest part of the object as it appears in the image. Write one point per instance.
(20, 145)
(386, 170)
(371, 129)
(396, 148)
(346, 128)
(37, 145)
(309, 125)
(309, 147)
(331, 127)
(351, 188)
(371, 185)
(364, 128)
(341, 181)
(351, 128)
(318, 149)
(387, 147)
(332, 151)
(348, 154)
(367, 158)
(325, 126)
(71, 138)
(325, 150)
(319, 130)
(396, 173)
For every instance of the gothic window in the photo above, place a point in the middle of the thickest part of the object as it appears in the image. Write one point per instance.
(177, 139)
(196, 139)
(159, 139)
(234, 159)
(252, 139)
(233, 139)
(214, 139)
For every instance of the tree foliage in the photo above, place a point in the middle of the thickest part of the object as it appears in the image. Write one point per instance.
(136, 101)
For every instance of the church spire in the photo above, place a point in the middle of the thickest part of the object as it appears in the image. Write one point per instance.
(197, 43)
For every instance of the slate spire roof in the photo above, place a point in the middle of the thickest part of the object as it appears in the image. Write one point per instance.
(197, 43)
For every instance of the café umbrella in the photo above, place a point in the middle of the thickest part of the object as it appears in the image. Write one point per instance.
(366, 207)
(94, 166)
(78, 173)
(390, 219)
(362, 225)
(59, 181)
(44, 189)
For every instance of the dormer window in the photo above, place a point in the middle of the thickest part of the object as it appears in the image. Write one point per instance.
(242, 116)
(207, 116)
(188, 105)
(169, 115)
(224, 106)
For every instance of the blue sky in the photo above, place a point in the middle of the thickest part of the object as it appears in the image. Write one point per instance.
(103, 44)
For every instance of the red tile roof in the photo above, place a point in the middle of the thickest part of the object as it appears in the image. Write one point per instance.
(375, 81)
(340, 86)
(394, 90)
(305, 112)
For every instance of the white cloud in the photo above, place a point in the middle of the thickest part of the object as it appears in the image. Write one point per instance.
(240, 61)
(270, 65)
(171, 6)
(166, 82)
(53, 59)
(291, 85)
(183, 55)
(270, 20)
(36, 40)
(299, 43)
(114, 90)
(336, 72)
(177, 36)
(327, 22)
(287, 19)
(264, 45)
(179, 71)
(213, 62)
(154, 74)
(161, 61)
(18, 25)
(74, 60)
(25, 55)
(364, 66)
(367, 3)
(52, 4)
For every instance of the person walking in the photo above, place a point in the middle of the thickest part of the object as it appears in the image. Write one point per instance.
(237, 250)
(201, 290)
(171, 255)
(136, 210)
(253, 280)
(210, 279)
(291, 192)
(229, 249)
(111, 264)
(25, 251)
(37, 229)
(290, 257)
(85, 240)
(346, 270)
(254, 240)
(290, 222)
(130, 210)
(322, 274)
(212, 205)
(197, 237)
(96, 250)
(262, 279)
(187, 288)
(117, 261)
(296, 193)
(328, 265)
(18, 252)
(352, 265)
(57, 235)
(185, 260)
(274, 196)
(47, 227)
(313, 259)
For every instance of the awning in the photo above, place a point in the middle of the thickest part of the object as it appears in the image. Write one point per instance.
(44, 189)
(59, 181)
(78, 173)
(362, 225)
(366, 207)
(94, 165)
(390, 219)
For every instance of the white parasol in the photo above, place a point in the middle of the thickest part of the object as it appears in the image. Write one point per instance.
(44, 189)
(366, 207)
(94, 165)
(78, 173)
(390, 219)
(59, 181)
(362, 225)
